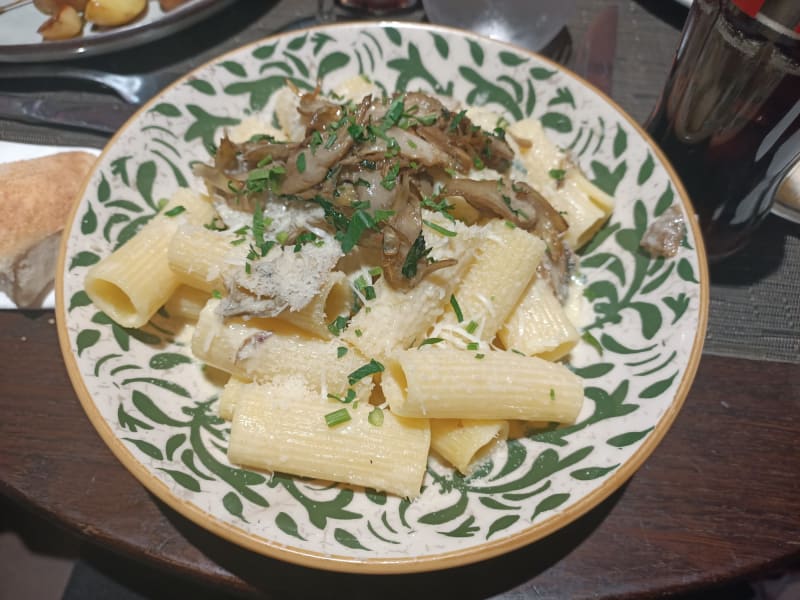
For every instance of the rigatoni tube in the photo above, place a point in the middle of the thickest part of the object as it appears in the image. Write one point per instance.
(281, 426)
(133, 282)
(441, 383)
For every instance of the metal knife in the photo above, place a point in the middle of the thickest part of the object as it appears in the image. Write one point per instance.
(105, 118)
(594, 58)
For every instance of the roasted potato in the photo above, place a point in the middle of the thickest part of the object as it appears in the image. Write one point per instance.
(50, 7)
(111, 13)
(65, 23)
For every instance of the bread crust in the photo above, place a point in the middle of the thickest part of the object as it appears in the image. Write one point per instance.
(36, 197)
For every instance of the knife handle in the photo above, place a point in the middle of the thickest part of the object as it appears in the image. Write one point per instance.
(104, 119)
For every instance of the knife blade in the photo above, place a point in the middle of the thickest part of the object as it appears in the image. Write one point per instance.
(594, 58)
(105, 118)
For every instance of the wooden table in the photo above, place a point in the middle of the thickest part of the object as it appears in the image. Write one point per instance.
(717, 500)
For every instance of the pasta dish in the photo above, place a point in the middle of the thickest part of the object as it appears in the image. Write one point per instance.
(381, 276)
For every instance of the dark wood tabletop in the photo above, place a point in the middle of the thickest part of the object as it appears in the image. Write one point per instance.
(717, 500)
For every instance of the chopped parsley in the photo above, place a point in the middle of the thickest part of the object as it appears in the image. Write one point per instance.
(557, 174)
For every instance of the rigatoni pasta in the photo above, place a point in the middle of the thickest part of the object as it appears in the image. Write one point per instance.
(384, 285)
(131, 284)
(442, 383)
(281, 426)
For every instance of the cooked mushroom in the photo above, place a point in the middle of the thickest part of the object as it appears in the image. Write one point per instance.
(369, 166)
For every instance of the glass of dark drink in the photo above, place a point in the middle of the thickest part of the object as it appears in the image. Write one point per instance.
(331, 10)
(729, 116)
(378, 6)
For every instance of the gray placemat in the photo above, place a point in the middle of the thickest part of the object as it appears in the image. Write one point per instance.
(755, 296)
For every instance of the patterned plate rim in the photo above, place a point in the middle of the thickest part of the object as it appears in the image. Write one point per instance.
(411, 564)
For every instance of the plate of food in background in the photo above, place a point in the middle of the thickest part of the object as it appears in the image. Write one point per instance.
(382, 297)
(48, 30)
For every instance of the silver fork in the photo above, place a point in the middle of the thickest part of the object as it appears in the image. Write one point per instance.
(132, 88)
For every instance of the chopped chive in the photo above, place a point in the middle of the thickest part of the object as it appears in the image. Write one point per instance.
(433, 340)
(515, 351)
(369, 292)
(478, 163)
(383, 215)
(471, 327)
(375, 271)
(392, 148)
(264, 161)
(216, 294)
(338, 325)
(456, 120)
(428, 119)
(552, 395)
(336, 417)
(557, 174)
(390, 179)
(375, 417)
(472, 346)
(301, 162)
(173, 212)
(416, 253)
(341, 351)
(479, 356)
(316, 140)
(394, 113)
(358, 333)
(439, 228)
(510, 225)
(456, 308)
(372, 367)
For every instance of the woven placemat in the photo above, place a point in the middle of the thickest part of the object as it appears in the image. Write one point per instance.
(755, 296)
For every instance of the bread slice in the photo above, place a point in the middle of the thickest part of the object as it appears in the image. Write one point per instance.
(36, 196)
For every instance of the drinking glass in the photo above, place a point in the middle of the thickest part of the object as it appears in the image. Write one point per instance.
(729, 115)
